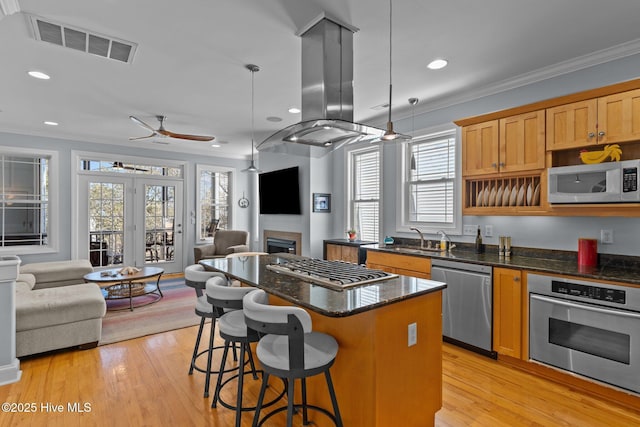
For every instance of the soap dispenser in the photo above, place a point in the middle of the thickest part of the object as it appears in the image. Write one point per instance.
(443, 243)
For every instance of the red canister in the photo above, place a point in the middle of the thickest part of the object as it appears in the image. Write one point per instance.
(587, 252)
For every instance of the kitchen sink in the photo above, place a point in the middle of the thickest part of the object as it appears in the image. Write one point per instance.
(414, 250)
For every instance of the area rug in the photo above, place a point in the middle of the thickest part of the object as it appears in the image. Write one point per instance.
(174, 311)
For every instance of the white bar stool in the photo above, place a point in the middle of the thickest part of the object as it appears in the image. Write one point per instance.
(227, 303)
(290, 350)
(195, 276)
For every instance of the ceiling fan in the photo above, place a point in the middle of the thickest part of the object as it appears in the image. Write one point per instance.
(163, 132)
(120, 165)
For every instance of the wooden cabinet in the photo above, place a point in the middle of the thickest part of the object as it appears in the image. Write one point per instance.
(405, 265)
(619, 117)
(508, 322)
(572, 125)
(502, 149)
(503, 161)
(345, 250)
(605, 120)
(480, 148)
(511, 144)
(522, 142)
(342, 253)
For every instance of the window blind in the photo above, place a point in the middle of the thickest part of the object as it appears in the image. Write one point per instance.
(366, 194)
(431, 172)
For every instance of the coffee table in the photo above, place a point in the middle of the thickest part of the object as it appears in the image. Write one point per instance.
(120, 286)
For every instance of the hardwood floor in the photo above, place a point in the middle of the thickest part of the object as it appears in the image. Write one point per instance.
(144, 382)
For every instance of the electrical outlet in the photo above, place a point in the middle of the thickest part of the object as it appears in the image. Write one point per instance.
(469, 230)
(412, 334)
(488, 231)
(606, 236)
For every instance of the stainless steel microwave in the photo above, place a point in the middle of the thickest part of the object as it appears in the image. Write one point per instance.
(611, 182)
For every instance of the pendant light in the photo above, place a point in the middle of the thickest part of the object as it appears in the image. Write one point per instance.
(413, 102)
(390, 134)
(252, 167)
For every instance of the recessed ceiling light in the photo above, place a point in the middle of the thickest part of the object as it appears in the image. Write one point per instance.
(294, 110)
(39, 75)
(274, 119)
(437, 64)
(215, 145)
(48, 123)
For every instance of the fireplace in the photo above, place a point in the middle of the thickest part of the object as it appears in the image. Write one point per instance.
(282, 241)
(275, 245)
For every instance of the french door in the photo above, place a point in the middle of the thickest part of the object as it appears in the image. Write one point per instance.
(131, 221)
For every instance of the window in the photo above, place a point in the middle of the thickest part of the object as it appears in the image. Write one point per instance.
(213, 198)
(430, 186)
(106, 223)
(365, 193)
(87, 164)
(26, 210)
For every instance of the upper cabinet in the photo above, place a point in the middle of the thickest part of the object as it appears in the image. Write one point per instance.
(503, 161)
(619, 117)
(572, 125)
(505, 153)
(605, 120)
(522, 142)
(511, 144)
(480, 148)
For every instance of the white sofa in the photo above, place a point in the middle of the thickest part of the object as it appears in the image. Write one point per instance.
(55, 309)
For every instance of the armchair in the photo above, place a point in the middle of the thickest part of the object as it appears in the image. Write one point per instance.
(225, 242)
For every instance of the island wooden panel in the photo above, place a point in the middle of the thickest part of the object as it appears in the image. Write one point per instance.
(380, 381)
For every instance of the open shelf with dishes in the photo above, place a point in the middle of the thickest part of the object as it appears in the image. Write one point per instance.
(504, 195)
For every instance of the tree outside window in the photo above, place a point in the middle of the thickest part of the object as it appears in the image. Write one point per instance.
(213, 200)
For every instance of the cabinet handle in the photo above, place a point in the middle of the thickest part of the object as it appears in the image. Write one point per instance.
(591, 135)
(494, 165)
(501, 164)
(516, 279)
(600, 134)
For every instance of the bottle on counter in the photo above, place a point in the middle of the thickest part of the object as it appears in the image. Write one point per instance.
(443, 244)
(479, 242)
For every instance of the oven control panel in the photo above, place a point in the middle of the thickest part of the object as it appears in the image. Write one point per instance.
(588, 291)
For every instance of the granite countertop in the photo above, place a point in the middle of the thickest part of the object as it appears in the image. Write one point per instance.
(347, 242)
(333, 303)
(622, 269)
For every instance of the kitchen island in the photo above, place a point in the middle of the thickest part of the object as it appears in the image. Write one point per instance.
(380, 380)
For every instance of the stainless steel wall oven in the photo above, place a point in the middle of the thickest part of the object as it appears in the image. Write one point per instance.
(589, 328)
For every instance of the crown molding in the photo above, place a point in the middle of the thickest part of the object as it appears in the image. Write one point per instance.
(620, 51)
(8, 7)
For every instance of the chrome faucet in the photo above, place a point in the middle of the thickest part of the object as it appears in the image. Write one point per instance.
(421, 236)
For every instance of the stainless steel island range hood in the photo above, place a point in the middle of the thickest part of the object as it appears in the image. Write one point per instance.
(327, 94)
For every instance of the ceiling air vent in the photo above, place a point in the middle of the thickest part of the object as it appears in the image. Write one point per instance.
(82, 40)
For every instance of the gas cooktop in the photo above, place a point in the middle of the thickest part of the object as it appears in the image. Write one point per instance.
(336, 275)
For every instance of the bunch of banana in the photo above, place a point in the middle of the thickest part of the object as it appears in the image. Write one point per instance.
(612, 151)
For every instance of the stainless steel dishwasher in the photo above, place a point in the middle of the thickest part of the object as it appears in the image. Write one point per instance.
(467, 303)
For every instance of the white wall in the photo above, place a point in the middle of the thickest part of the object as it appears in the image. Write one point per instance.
(270, 161)
(242, 218)
(316, 176)
(321, 224)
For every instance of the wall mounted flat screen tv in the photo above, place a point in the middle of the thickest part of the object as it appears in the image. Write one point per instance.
(279, 192)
